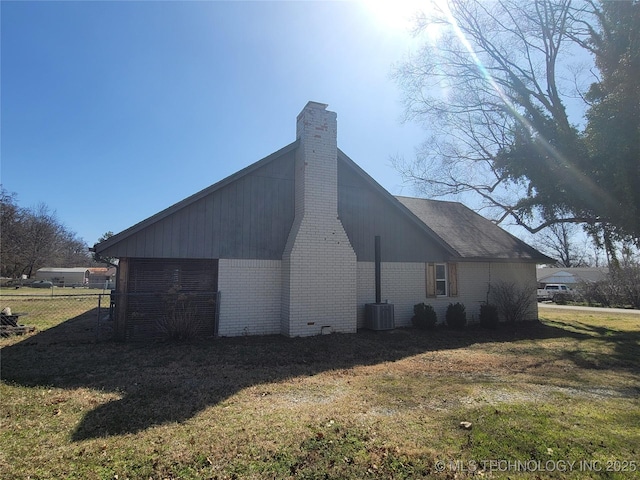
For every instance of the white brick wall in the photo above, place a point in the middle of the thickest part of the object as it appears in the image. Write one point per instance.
(249, 297)
(473, 282)
(474, 279)
(403, 284)
(251, 293)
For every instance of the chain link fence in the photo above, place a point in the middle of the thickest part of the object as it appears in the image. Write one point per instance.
(85, 309)
(89, 316)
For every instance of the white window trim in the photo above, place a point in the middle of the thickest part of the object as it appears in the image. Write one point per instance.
(445, 268)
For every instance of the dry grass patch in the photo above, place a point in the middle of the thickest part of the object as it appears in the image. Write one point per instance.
(378, 405)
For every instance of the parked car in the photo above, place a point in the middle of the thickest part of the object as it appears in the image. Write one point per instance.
(41, 284)
(554, 291)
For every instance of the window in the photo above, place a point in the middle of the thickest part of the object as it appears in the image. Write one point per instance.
(441, 280)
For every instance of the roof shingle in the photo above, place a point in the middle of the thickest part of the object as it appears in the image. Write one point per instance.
(470, 234)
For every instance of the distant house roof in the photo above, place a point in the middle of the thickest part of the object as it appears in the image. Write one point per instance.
(471, 235)
(102, 270)
(63, 270)
(571, 275)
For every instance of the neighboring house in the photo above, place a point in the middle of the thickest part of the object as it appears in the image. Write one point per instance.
(64, 277)
(102, 277)
(289, 244)
(571, 276)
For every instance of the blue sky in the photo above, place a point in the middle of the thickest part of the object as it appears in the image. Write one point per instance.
(113, 111)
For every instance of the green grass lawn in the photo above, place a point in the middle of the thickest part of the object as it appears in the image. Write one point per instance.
(557, 399)
(46, 308)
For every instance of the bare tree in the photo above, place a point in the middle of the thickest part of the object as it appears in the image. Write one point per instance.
(40, 239)
(10, 226)
(492, 92)
(33, 238)
(560, 242)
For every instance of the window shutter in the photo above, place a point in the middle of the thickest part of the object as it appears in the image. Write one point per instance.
(453, 279)
(431, 280)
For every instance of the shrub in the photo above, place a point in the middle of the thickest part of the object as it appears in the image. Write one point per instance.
(561, 298)
(456, 315)
(424, 316)
(489, 316)
(513, 300)
(628, 280)
(597, 293)
(621, 287)
(179, 322)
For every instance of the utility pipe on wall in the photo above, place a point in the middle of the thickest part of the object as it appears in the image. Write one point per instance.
(378, 270)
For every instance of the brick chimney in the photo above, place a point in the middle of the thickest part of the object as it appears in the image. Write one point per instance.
(318, 263)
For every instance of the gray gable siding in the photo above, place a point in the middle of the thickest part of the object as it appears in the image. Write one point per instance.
(366, 211)
(250, 214)
(249, 217)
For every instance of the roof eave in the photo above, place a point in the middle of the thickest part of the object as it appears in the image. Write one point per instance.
(536, 261)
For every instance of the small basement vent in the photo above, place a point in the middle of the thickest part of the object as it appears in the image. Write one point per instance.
(379, 316)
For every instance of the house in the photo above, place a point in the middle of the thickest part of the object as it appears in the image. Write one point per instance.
(571, 276)
(64, 277)
(102, 277)
(99, 277)
(289, 244)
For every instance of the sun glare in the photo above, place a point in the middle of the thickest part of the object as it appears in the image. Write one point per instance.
(395, 14)
(400, 16)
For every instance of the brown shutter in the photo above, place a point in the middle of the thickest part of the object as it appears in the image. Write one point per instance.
(431, 280)
(453, 279)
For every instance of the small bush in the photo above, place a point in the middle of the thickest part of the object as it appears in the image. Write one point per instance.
(424, 316)
(456, 315)
(597, 293)
(179, 322)
(561, 298)
(489, 316)
(620, 288)
(514, 300)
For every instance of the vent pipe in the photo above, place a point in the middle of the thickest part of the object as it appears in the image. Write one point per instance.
(378, 270)
(379, 316)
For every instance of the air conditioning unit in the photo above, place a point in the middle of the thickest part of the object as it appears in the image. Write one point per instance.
(379, 316)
